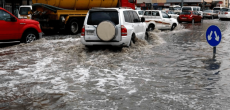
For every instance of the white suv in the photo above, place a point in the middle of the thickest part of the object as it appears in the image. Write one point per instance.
(112, 26)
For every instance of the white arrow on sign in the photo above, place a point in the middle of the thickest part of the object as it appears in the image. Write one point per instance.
(217, 37)
(210, 36)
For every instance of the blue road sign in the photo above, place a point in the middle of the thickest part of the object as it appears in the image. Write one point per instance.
(213, 35)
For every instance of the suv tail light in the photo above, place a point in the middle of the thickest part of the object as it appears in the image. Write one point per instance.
(123, 31)
(226, 13)
(219, 12)
(83, 31)
(208, 14)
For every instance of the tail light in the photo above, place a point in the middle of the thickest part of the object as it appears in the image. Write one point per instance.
(83, 31)
(208, 14)
(226, 13)
(219, 12)
(123, 31)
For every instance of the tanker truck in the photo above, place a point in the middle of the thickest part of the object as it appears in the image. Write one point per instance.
(69, 15)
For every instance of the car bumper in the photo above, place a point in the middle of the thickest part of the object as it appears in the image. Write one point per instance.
(185, 20)
(207, 16)
(223, 16)
(124, 42)
(40, 35)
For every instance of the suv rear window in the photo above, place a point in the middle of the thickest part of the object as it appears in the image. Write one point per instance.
(96, 17)
(186, 9)
(185, 13)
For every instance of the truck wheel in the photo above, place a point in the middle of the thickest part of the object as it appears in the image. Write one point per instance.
(73, 26)
(146, 36)
(29, 37)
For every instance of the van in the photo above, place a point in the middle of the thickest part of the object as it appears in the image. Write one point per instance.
(192, 8)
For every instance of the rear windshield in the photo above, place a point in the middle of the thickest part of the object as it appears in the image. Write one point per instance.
(96, 17)
(216, 8)
(24, 10)
(209, 11)
(185, 13)
(186, 9)
(224, 9)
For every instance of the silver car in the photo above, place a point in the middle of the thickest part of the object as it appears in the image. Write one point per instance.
(210, 14)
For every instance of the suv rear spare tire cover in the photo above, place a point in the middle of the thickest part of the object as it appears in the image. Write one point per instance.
(106, 31)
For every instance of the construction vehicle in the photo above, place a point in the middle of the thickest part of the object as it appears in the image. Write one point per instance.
(69, 15)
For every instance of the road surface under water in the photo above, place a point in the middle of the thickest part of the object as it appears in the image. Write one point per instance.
(174, 70)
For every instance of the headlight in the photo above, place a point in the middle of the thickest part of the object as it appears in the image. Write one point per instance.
(62, 18)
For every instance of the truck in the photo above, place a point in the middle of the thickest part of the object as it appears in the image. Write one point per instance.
(23, 12)
(69, 15)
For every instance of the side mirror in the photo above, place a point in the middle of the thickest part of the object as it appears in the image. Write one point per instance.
(170, 16)
(199, 14)
(142, 19)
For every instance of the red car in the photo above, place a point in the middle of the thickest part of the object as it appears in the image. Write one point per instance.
(190, 16)
(12, 28)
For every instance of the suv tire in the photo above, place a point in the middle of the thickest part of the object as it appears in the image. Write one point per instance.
(173, 27)
(151, 27)
(106, 31)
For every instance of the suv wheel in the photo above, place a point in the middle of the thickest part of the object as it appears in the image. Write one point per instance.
(146, 36)
(173, 27)
(73, 26)
(151, 27)
(29, 37)
(132, 40)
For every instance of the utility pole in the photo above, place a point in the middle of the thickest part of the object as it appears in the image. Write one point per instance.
(182, 3)
(228, 3)
(203, 5)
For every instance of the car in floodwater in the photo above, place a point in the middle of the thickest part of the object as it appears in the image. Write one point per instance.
(190, 16)
(13, 29)
(112, 26)
(210, 14)
(224, 14)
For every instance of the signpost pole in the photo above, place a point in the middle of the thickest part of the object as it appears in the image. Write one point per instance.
(214, 52)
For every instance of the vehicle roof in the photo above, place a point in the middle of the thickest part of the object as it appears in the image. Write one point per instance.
(110, 9)
(152, 10)
(25, 6)
(190, 6)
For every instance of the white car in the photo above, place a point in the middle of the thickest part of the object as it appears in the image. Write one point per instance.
(224, 13)
(140, 13)
(112, 26)
(172, 14)
(159, 19)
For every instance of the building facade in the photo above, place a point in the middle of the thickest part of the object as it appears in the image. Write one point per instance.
(13, 5)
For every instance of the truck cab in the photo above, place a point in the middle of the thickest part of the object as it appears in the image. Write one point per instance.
(23, 11)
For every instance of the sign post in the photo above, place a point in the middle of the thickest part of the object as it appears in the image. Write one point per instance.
(213, 37)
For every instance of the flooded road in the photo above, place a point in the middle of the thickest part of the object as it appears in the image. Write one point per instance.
(174, 70)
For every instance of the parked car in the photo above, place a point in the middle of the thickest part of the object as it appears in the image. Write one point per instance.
(140, 13)
(176, 9)
(210, 14)
(159, 19)
(190, 16)
(224, 13)
(217, 9)
(112, 26)
(12, 28)
(172, 14)
(193, 8)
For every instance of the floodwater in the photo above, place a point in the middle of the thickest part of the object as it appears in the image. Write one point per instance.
(174, 70)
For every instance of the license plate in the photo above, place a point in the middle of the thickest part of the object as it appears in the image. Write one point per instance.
(184, 18)
(90, 32)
